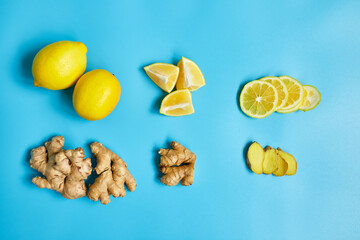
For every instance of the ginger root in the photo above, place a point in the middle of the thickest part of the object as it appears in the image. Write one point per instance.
(113, 173)
(269, 163)
(64, 171)
(255, 158)
(177, 164)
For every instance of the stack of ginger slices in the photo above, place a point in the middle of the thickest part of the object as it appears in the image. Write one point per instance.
(187, 77)
(270, 161)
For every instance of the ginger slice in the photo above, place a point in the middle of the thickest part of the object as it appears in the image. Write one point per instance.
(281, 164)
(64, 171)
(290, 160)
(177, 164)
(113, 174)
(255, 158)
(269, 163)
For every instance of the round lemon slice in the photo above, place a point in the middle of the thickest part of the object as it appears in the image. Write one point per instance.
(281, 90)
(296, 94)
(258, 99)
(177, 103)
(190, 76)
(312, 99)
(163, 74)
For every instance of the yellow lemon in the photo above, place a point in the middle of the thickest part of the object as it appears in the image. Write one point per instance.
(177, 103)
(281, 90)
(59, 65)
(190, 75)
(258, 99)
(312, 98)
(163, 74)
(96, 94)
(296, 94)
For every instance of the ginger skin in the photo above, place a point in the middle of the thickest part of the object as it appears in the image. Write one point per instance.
(177, 156)
(64, 171)
(112, 177)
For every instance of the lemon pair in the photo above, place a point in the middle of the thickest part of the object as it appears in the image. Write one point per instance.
(187, 77)
(62, 64)
(284, 94)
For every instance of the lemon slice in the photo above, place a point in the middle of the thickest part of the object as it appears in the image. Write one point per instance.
(163, 74)
(258, 99)
(296, 94)
(281, 90)
(295, 108)
(190, 76)
(312, 99)
(177, 103)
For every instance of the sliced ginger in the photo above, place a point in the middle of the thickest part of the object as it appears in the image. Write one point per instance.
(64, 171)
(269, 164)
(177, 164)
(255, 158)
(281, 164)
(113, 174)
(290, 160)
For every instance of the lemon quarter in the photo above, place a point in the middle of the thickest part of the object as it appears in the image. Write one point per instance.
(190, 75)
(258, 99)
(163, 74)
(177, 103)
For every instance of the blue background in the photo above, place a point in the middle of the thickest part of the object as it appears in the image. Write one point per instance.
(233, 42)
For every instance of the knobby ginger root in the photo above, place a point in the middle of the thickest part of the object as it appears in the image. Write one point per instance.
(64, 171)
(177, 164)
(113, 174)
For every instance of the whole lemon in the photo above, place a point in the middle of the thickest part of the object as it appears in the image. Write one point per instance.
(96, 94)
(59, 65)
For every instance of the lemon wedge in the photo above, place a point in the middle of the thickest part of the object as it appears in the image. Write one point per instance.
(177, 103)
(296, 94)
(163, 74)
(258, 99)
(312, 98)
(190, 76)
(280, 88)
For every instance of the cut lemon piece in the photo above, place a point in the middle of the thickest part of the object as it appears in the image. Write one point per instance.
(163, 74)
(281, 90)
(258, 99)
(190, 76)
(177, 103)
(312, 99)
(296, 94)
(295, 108)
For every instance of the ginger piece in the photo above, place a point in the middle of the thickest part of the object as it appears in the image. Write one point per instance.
(64, 171)
(177, 164)
(290, 160)
(282, 165)
(113, 173)
(269, 163)
(255, 158)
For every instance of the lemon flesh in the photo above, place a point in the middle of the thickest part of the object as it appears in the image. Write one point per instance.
(296, 94)
(163, 74)
(96, 94)
(258, 99)
(280, 88)
(312, 99)
(177, 103)
(190, 75)
(59, 65)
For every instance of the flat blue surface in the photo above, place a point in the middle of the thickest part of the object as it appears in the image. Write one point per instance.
(233, 42)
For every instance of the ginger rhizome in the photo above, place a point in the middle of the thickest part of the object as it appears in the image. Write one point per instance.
(177, 164)
(64, 171)
(113, 174)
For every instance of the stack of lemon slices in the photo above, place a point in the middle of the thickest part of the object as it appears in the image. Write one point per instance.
(187, 77)
(260, 98)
